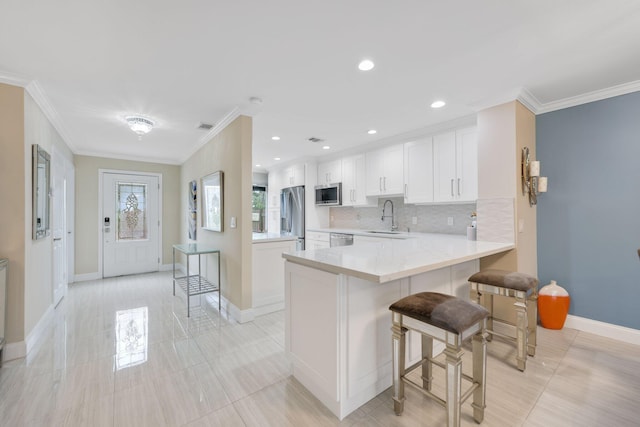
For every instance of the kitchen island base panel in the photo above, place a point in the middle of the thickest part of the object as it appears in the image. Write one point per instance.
(338, 330)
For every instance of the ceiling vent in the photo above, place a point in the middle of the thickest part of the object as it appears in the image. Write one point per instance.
(205, 126)
(314, 139)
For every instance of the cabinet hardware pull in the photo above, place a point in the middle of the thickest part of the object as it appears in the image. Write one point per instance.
(380, 184)
(385, 183)
(452, 187)
(458, 186)
(405, 191)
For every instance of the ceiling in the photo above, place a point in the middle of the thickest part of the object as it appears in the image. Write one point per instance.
(89, 64)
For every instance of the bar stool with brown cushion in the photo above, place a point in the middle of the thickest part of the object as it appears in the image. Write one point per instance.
(522, 288)
(452, 321)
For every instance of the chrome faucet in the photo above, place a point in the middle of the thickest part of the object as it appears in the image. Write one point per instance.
(384, 207)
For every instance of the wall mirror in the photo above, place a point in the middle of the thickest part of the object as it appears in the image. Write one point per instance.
(41, 205)
(212, 194)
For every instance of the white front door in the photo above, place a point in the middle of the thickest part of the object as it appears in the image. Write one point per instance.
(130, 223)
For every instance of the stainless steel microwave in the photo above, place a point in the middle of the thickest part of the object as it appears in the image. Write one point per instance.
(329, 194)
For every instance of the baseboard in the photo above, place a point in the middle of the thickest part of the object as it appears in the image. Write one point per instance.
(35, 337)
(268, 308)
(240, 316)
(17, 350)
(168, 267)
(86, 277)
(609, 330)
(14, 350)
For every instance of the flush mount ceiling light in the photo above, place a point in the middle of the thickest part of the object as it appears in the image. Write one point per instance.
(140, 125)
(372, 131)
(366, 65)
(438, 104)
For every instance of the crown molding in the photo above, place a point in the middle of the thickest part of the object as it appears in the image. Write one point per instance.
(596, 95)
(13, 79)
(220, 125)
(128, 157)
(37, 93)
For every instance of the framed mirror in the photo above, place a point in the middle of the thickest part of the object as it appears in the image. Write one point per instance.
(41, 181)
(212, 195)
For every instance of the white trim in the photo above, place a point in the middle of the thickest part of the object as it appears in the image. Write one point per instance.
(37, 334)
(145, 159)
(38, 95)
(219, 127)
(168, 267)
(240, 316)
(13, 79)
(596, 95)
(101, 173)
(86, 277)
(609, 330)
(268, 308)
(14, 350)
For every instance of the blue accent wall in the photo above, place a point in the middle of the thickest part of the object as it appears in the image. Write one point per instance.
(589, 221)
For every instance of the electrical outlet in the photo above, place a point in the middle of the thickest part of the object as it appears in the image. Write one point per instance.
(414, 220)
(450, 220)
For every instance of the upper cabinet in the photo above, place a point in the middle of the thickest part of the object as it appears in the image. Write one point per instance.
(330, 172)
(418, 171)
(293, 176)
(353, 181)
(455, 166)
(385, 171)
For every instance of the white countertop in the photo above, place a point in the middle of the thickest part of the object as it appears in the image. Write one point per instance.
(271, 237)
(394, 258)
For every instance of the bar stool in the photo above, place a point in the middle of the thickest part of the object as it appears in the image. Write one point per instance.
(452, 321)
(524, 290)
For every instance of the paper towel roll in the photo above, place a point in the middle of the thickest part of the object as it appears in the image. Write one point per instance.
(542, 184)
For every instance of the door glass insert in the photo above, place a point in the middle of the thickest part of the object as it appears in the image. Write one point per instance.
(131, 199)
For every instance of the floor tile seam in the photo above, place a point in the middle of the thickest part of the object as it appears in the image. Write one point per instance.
(551, 377)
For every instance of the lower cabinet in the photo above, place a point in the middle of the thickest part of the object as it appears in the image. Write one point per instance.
(268, 275)
(316, 240)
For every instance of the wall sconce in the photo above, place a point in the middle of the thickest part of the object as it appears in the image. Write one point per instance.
(532, 183)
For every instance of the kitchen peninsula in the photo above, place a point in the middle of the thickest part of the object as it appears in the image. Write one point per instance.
(337, 322)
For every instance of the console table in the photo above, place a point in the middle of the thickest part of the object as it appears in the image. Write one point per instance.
(195, 284)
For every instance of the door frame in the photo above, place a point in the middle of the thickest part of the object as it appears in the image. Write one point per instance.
(101, 173)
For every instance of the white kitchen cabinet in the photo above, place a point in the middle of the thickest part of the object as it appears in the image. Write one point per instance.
(418, 171)
(330, 172)
(273, 220)
(385, 171)
(273, 189)
(353, 181)
(359, 240)
(316, 240)
(455, 166)
(293, 176)
(268, 275)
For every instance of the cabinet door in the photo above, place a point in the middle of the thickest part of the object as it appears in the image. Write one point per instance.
(374, 162)
(353, 181)
(330, 172)
(393, 167)
(297, 175)
(273, 221)
(466, 165)
(273, 190)
(444, 167)
(315, 244)
(418, 171)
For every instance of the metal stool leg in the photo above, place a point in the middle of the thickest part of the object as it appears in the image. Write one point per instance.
(427, 366)
(521, 331)
(398, 346)
(479, 375)
(453, 363)
(532, 313)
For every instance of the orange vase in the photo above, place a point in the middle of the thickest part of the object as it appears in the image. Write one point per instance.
(553, 305)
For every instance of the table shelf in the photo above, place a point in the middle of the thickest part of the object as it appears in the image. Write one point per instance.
(195, 284)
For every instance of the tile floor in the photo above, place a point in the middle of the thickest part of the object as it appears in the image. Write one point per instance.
(121, 352)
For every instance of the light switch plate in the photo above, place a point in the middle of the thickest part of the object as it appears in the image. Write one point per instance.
(233, 222)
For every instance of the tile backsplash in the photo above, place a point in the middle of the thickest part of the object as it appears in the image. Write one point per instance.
(430, 218)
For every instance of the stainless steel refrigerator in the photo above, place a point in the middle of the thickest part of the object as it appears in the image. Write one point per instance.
(292, 214)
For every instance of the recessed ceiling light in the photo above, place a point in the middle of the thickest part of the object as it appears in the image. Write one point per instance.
(276, 158)
(438, 104)
(325, 147)
(275, 138)
(372, 131)
(258, 166)
(366, 65)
